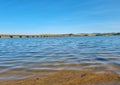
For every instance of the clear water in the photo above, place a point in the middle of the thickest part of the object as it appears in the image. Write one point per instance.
(19, 56)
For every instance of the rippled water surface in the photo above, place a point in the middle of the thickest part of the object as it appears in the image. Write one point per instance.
(20, 56)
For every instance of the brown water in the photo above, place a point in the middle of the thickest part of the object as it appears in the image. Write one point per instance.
(21, 58)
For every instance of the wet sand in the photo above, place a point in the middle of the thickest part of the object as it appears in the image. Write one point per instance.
(71, 77)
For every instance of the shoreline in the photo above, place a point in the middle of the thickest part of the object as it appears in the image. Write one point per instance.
(56, 35)
(70, 77)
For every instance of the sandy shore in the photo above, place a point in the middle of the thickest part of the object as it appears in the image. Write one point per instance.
(71, 77)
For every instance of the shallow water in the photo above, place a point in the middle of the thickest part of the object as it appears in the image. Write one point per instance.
(21, 56)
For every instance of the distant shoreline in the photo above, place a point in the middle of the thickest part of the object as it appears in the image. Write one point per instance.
(56, 35)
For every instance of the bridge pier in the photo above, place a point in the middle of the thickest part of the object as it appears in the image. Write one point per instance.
(20, 36)
(33, 36)
(27, 36)
(11, 36)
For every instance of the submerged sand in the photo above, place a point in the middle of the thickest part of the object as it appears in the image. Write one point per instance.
(71, 77)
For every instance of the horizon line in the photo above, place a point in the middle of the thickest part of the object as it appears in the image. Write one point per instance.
(54, 33)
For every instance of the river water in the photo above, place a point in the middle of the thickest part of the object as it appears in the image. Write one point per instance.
(19, 56)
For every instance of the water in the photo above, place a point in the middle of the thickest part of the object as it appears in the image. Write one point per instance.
(20, 57)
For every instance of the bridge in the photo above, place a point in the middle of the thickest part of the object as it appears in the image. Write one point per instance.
(30, 36)
(22, 36)
(56, 35)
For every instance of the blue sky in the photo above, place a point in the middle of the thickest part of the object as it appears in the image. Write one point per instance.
(59, 16)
